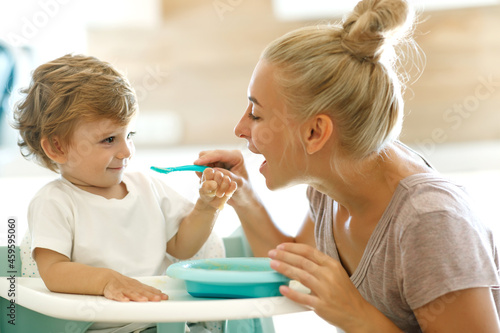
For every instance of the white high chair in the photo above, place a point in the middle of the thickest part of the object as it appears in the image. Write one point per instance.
(29, 321)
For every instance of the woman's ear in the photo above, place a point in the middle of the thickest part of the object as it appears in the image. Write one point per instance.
(54, 151)
(317, 132)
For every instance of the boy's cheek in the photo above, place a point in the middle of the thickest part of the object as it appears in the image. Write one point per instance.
(83, 149)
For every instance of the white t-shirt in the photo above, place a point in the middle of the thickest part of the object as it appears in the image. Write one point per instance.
(127, 235)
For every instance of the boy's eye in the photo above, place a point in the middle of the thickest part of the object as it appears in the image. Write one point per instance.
(109, 140)
(130, 135)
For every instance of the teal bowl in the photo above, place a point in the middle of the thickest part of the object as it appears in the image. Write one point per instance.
(229, 277)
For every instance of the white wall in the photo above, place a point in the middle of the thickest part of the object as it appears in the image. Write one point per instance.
(317, 9)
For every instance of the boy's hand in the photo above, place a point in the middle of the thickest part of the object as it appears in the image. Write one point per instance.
(124, 289)
(216, 188)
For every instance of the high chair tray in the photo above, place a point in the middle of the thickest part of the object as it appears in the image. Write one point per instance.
(32, 294)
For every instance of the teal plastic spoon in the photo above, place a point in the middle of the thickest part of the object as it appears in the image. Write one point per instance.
(199, 168)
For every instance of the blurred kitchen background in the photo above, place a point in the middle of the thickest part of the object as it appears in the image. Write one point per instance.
(190, 63)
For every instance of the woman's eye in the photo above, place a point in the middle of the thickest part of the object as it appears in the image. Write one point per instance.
(252, 116)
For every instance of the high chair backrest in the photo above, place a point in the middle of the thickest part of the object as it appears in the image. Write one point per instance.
(26, 319)
(237, 244)
(11, 261)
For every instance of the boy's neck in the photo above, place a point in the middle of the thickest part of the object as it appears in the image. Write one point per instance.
(118, 191)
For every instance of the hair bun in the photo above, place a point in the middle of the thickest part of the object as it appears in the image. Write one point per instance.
(374, 24)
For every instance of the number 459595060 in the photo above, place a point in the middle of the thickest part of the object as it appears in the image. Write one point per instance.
(11, 242)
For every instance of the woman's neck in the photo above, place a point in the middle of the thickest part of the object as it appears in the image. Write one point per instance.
(365, 188)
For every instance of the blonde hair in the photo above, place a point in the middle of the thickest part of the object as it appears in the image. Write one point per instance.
(347, 70)
(65, 91)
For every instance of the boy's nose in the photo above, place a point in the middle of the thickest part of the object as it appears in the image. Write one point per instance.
(126, 150)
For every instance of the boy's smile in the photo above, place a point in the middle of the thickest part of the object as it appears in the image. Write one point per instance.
(97, 156)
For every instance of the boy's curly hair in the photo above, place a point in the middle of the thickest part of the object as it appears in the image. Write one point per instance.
(65, 91)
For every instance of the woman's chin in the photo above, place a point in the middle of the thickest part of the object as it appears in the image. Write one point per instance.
(272, 182)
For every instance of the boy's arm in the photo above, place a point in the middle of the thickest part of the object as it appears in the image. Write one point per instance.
(215, 190)
(61, 275)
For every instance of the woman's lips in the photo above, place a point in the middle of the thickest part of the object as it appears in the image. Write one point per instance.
(262, 166)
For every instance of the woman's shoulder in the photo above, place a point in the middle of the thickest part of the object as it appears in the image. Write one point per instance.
(320, 204)
(315, 197)
(433, 202)
(429, 192)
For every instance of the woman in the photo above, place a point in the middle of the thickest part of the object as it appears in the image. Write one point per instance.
(388, 244)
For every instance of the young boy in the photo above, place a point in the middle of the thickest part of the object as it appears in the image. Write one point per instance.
(96, 225)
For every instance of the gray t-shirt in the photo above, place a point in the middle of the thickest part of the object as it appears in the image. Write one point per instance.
(428, 243)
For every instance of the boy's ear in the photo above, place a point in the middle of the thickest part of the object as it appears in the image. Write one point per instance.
(54, 151)
(317, 132)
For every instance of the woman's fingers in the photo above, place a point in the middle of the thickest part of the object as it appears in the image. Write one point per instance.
(298, 269)
(300, 256)
(231, 160)
(306, 299)
(225, 159)
(309, 266)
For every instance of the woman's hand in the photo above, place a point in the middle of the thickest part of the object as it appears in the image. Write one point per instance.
(231, 160)
(333, 296)
(216, 188)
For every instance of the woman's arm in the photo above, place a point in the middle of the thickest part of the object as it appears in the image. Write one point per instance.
(260, 230)
(468, 310)
(61, 275)
(334, 298)
(263, 235)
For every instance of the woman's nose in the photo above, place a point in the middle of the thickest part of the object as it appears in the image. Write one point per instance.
(241, 130)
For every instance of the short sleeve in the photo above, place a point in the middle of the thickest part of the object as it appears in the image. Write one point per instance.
(444, 252)
(50, 223)
(174, 206)
(315, 200)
